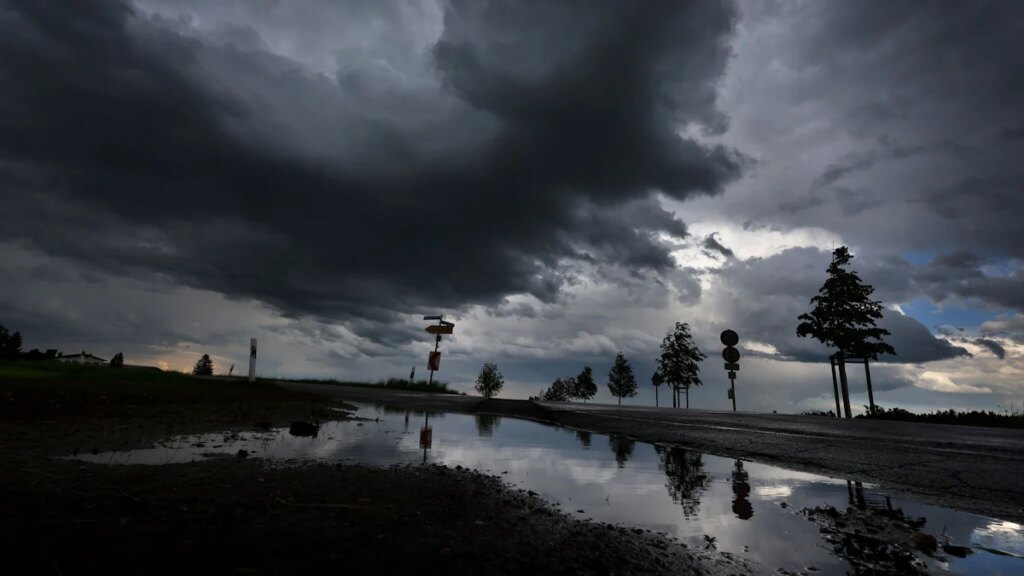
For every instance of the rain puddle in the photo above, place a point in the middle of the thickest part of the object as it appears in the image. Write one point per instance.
(788, 521)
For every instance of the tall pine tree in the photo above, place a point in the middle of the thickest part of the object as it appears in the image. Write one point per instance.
(621, 381)
(844, 318)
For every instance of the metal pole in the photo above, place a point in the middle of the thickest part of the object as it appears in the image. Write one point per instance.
(871, 394)
(732, 383)
(843, 384)
(835, 385)
(437, 342)
(252, 360)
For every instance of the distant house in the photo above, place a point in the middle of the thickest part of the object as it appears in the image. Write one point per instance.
(82, 358)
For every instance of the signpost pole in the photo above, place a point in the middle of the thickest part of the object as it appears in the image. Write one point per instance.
(252, 361)
(732, 384)
(437, 342)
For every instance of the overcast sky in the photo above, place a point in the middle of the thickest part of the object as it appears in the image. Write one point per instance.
(564, 180)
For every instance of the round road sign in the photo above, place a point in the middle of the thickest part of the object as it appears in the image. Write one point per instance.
(731, 355)
(730, 338)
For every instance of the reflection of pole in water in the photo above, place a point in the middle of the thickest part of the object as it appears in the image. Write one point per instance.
(855, 490)
(741, 505)
(426, 434)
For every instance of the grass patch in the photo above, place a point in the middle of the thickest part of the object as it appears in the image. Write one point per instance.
(35, 388)
(1007, 417)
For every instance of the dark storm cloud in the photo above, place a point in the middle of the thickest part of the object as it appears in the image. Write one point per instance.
(903, 113)
(132, 144)
(961, 275)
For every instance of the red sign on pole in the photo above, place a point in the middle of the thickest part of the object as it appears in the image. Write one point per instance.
(426, 438)
(434, 361)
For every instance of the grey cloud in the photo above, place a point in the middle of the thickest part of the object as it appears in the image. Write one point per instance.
(891, 123)
(1011, 326)
(141, 145)
(995, 347)
(769, 293)
(712, 244)
(960, 275)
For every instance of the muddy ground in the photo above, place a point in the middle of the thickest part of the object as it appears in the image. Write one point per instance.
(238, 515)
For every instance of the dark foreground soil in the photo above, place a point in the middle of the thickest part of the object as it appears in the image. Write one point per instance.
(237, 515)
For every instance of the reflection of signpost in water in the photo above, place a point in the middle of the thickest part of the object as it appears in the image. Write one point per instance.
(442, 327)
(732, 357)
(426, 436)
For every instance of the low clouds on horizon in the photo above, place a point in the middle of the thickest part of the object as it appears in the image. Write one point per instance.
(565, 178)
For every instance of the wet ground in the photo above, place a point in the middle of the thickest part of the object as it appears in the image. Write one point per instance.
(968, 468)
(786, 521)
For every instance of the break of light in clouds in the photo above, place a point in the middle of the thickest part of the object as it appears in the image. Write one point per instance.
(564, 180)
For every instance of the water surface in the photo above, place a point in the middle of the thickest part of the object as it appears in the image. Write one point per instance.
(750, 509)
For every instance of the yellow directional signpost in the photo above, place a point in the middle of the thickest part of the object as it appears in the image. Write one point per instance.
(442, 327)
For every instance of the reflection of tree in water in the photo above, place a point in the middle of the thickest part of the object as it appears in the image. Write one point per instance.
(623, 448)
(741, 493)
(686, 478)
(486, 424)
(584, 437)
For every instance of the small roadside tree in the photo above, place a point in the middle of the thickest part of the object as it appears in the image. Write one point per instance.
(679, 364)
(621, 380)
(490, 381)
(117, 361)
(559, 391)
(844, 318)
(584, 387)
(656, 381)
(203, 367)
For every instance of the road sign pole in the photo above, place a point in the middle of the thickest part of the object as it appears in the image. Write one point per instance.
(732, 384)
(437, 342)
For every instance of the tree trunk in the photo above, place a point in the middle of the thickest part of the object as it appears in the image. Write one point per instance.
(620, 400)
(843, 383)
(687, 397)
(656, 396)
(835, 386)
(871, 394)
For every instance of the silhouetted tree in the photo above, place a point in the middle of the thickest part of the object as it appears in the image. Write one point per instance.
(117, 361)
(204, 366)
(490, 380)
(679, 363)
(621, 381)
(10, 344)
(656, 380)
(622, 446)
(844, 318)
(585, 387)
(685, 476)
(559, 391)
